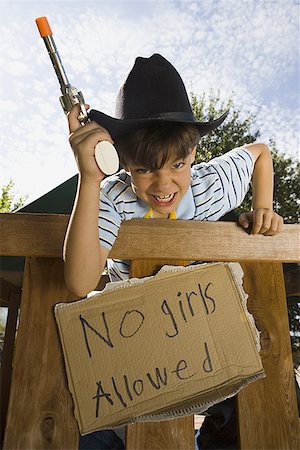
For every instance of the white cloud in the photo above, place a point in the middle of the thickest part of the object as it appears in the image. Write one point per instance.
(281, 126)
(8, 106)
(247, 47)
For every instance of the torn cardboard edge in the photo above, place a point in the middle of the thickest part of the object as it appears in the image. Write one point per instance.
(195, 401)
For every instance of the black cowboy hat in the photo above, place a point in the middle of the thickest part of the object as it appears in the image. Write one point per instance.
(152, 93)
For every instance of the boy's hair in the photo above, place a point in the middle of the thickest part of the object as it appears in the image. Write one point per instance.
(152, 146)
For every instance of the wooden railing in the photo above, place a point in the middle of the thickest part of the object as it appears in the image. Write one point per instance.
(40, 414)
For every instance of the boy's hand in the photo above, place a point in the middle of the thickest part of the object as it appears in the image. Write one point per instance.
(83, 140)
(263, 221)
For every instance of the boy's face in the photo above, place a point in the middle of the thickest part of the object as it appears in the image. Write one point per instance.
(164, 188)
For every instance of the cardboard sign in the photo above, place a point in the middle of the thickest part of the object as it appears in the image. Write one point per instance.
(159, 347)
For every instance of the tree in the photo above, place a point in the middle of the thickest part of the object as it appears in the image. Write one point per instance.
(8, 200)
(286, 186)
(239, 129)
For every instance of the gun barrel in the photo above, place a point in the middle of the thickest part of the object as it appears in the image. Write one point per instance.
(46, 34)
(43, 26)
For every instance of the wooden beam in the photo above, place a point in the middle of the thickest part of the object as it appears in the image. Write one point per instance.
(40, 413)
(32, 234)
(13, 301)
(43, 235)
(206, 241)
(267, 409)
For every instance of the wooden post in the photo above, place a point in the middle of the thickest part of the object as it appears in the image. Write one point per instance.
(13, 303)
(40, 414)
(169, 434)
(267, 409)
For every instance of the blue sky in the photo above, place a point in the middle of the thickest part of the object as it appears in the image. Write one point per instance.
(247, 49)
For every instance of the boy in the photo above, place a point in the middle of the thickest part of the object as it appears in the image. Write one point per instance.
(156, 135)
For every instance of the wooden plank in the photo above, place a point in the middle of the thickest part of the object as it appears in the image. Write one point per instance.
(268, 413)
(43, 235)
(32, 234)
(13, 302)
(167, 435)
(209, 241)
(170, 434)
(40, 414)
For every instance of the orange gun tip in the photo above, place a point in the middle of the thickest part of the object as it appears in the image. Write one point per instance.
(43, 26)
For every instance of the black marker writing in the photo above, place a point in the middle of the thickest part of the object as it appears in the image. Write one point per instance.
(99, 395)
(167, 311)
(85, 324)
(131, 323)
(182, 365)
(207, 365)
(159, 379)
(206, 297)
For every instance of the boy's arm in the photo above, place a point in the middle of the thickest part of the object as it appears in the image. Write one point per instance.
(84, 259)
(262, 217)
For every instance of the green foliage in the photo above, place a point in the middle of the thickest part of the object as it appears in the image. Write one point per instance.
(294, 317)
(286, 186)
(2, 334)
(236, 131)
(8, 200)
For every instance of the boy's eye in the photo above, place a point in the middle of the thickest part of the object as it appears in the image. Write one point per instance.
(142, 171)
(178, 165)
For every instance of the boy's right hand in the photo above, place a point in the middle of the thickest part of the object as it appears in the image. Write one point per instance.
(83, 140)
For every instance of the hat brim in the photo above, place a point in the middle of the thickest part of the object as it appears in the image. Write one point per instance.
(120, 127)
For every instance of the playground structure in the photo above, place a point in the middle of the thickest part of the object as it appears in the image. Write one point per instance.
(40, 412)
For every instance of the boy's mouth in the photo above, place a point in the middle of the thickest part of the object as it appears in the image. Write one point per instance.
(164, 199)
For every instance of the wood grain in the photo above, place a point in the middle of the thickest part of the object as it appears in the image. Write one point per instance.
(40, 414)
(176, 434)
(32, 234)
(43, 235)
(209, 241)
(268, 413)
(170, 434)
(13, 301)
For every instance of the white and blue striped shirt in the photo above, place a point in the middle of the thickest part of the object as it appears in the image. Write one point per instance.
(217, 187)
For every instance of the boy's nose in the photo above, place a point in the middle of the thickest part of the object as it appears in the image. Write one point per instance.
(162, 182)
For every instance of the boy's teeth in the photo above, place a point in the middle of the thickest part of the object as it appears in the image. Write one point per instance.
(164, 198)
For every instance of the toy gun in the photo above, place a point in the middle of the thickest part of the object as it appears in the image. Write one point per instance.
(105, 153)
(70, 95)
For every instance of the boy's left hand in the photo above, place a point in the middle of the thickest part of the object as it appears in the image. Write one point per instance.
(263, 221)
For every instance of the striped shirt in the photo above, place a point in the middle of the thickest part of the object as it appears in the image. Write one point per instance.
(217, 187)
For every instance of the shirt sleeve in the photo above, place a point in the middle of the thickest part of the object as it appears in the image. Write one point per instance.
(234, 170)
(109, 221)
